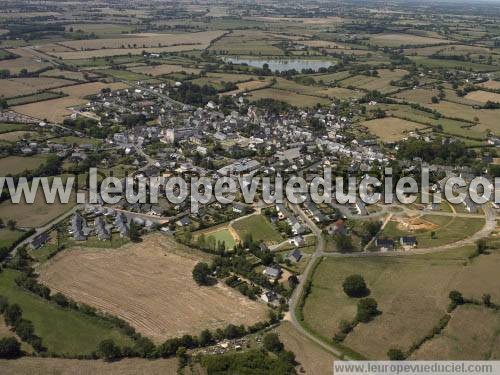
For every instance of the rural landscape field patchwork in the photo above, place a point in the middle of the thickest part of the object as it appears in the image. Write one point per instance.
(246, 91)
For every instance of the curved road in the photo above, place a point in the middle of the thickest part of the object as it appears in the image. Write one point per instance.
(490, 225)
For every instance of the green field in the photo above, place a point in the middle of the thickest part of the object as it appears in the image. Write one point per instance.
(8, 237)
(411, 291)
(18, 164)
(62, 331)
(223, 235)
(33, 98)
(258, 227)
(7, 128)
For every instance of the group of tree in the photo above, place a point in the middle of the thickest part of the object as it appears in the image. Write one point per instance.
(440, 151)
(13, 316)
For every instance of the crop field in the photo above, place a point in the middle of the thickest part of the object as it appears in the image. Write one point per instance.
(451, 64)
(16, 65)
(24, 86)
(160, 303)
(36, 214)
(54, 110)
(136, 43)
(455, 127)
(15, 136)
(396, 40)
(483, 96)
(248, 86)
(86, 89)
(391, 129)
(291, 98)
(68, 74)
(124, 75)
(46, 95)
(127, 366)
(17, 164)
(380, 83)
(61, 330)
(159, 70)
(446, 229)
(495, 85)
(411, 291)
(320, 91)
(421, 96)
(248, 42)
(488, 118)
(461, 340)
(258, 227)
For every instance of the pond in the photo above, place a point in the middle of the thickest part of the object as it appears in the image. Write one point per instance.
(283, 64)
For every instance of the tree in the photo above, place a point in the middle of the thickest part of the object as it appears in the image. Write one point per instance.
(396, 355)
(487, 299)
(205, 337)
(144, 347)
(134, 232)
(4, 303)
(481, 246)
(344, 243)
(293, 281)
(13, 314)
(355, 286)
(201, 274)
(108, 350)
(456, 298)
(367, 309)
(9, 348)
(11, 224)
(182, 356)
(272, 343)
(60, 299)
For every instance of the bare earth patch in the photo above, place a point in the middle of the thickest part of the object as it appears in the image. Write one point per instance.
(149, 285)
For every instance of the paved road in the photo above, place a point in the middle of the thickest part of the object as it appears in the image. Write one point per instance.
(490, 225)
(297, 293)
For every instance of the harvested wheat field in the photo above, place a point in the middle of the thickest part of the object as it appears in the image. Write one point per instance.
(127, 366)
(54, 110)
(483, 96)
(159, 70)
(247, 86)
(149, 285)
(495, 85)
(391, 129)
(10, 88)
(92, 88)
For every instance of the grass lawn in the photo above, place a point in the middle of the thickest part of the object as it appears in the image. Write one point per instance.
(223, 235)
(62, 331)
(258, 227)
(8, 237)
(411, 291)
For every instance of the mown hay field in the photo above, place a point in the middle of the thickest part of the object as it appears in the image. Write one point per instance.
(161, 299)
(396, 40)
(291, 98)
(127, 366)
(391, 129)
(159, 70)
(25, 86)
(483, 96)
